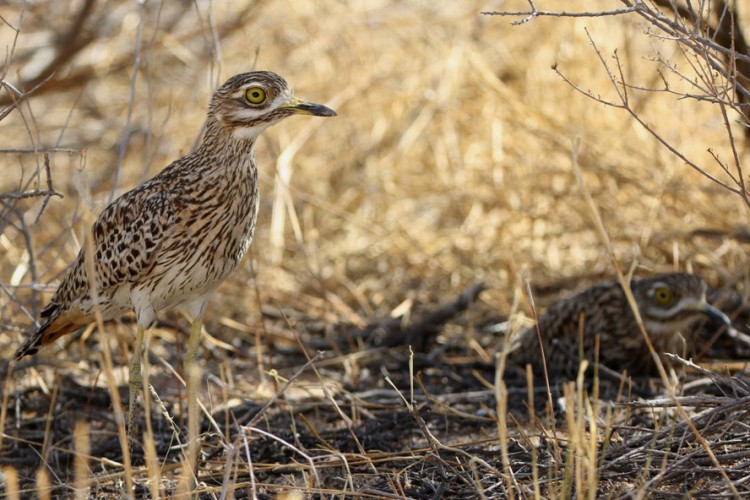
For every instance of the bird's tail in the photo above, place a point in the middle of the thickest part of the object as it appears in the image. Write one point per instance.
(52, 329)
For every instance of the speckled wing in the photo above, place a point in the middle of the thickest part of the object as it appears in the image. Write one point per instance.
(129, 233)
(127, 237)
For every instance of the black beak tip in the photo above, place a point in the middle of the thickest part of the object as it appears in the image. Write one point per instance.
(316, 109)
(325, 111)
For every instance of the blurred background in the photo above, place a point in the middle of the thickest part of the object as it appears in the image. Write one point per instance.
(451, 161)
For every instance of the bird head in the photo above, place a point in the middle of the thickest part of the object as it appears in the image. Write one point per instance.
(249, 103)
(671, 302)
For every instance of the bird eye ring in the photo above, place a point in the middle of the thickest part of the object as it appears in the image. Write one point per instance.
(663, 295)
(255, 95)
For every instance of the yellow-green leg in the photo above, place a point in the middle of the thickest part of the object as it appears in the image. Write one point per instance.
(192, 379)
(135, 382)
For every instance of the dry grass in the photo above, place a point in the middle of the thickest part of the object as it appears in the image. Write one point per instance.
(450, 163)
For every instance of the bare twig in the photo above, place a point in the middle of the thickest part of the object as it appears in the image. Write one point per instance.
(535, 12)
(36, 193)
(254, 421)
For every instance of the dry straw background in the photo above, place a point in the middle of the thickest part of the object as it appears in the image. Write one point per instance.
(451, 162)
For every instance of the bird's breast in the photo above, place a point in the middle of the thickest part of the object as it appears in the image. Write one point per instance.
(213, 234)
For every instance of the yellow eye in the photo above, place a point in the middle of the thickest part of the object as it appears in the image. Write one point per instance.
(663, 295)
(255, 95)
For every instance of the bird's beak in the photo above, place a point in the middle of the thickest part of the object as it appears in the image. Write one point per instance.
(710, 311)
(307, 108)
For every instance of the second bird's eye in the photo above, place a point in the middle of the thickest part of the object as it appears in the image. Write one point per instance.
(255, 95)
(663, 295)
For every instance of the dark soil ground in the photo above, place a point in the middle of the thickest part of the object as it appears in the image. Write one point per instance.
(366, 436)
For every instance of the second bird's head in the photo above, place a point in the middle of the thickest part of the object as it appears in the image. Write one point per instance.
(671, 302)
(249, 103)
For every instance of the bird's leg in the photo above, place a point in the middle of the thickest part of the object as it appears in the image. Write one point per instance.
(135, 381)
(192, 379)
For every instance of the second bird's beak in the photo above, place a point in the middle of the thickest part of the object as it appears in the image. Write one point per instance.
(308, 108)
(710, 311)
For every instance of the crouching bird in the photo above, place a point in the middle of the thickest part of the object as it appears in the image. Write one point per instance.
(668, 304)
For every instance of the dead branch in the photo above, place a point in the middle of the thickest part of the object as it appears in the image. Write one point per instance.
(391, 332)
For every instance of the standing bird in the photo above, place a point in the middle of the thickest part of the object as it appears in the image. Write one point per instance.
(172, 240)
(668, 305)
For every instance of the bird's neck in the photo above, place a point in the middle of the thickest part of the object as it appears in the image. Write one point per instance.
(226, 150)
